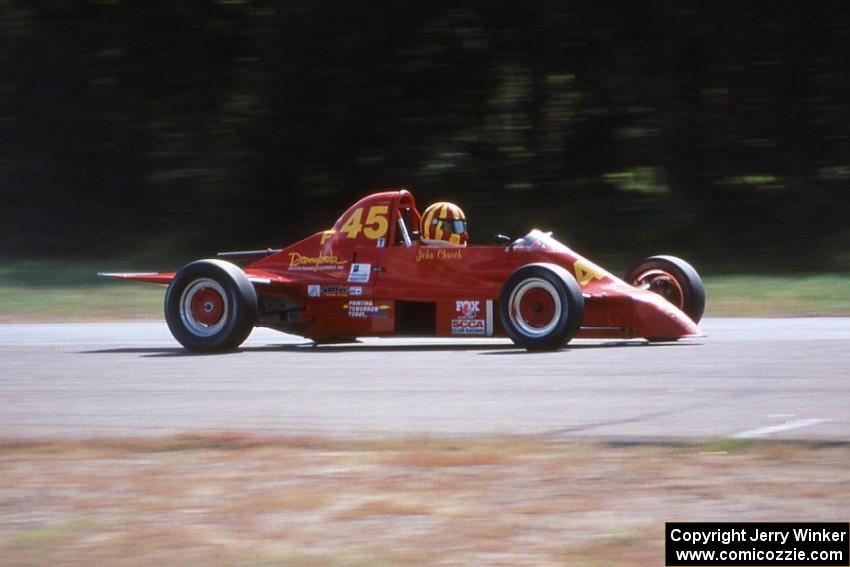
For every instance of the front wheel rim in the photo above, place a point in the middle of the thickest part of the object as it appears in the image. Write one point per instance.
(535, 307)
(204, 307)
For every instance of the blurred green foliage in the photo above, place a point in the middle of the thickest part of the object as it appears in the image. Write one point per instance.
(718, 131)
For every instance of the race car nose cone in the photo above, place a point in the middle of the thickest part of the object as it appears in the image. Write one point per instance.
(657, 319)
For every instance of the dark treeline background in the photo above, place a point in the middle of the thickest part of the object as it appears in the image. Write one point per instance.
(715, 130)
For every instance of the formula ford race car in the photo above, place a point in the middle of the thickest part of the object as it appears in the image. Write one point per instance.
(372, 275)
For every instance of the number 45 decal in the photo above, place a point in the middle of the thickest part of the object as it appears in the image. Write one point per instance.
(376, 224)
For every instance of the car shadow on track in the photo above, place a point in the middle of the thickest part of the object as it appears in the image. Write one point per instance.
(605, 345)
(149, 352)
(307, 348)
(313, 348)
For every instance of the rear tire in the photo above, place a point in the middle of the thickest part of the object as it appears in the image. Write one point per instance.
(541, 306)
(211, 306)
(673, 279)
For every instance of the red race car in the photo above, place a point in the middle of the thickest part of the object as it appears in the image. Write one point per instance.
(385, 269)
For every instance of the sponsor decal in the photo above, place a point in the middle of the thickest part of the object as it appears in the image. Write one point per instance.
(355, 290)
(382, 242)
(298, 261)
(334, 291)
(466, 320)
(427, 255)
(360, 273)
(468, 327)
(468, 309)
(363, 308)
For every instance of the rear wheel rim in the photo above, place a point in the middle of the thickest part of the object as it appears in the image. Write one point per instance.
(662, 283)
(535, 307)
(204, 307)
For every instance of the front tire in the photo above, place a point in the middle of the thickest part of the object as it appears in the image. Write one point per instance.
(210, 306)
(673, 279)
(541, 306)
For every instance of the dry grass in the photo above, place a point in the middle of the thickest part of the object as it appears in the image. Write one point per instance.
(441, 459)
(383, 507)
(242, 500)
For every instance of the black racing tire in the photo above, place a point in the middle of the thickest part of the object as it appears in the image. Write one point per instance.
(673, 279)
(541, 306)
(211, 306)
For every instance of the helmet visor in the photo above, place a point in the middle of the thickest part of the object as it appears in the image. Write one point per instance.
(453, 226)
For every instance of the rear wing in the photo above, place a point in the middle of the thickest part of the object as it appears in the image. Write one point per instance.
(257, 277)
(163, 278)
(246, 255)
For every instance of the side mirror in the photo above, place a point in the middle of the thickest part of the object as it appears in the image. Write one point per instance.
(504, 239)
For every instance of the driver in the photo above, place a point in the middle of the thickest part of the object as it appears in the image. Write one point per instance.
(443, 224)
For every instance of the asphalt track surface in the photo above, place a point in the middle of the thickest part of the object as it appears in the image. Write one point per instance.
(750, 378)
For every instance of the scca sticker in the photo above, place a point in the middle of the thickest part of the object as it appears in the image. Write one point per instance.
(468, 327)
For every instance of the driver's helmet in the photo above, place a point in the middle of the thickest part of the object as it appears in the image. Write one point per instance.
(443, 224)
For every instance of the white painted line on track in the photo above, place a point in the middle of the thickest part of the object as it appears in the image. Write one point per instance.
(787, 426)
